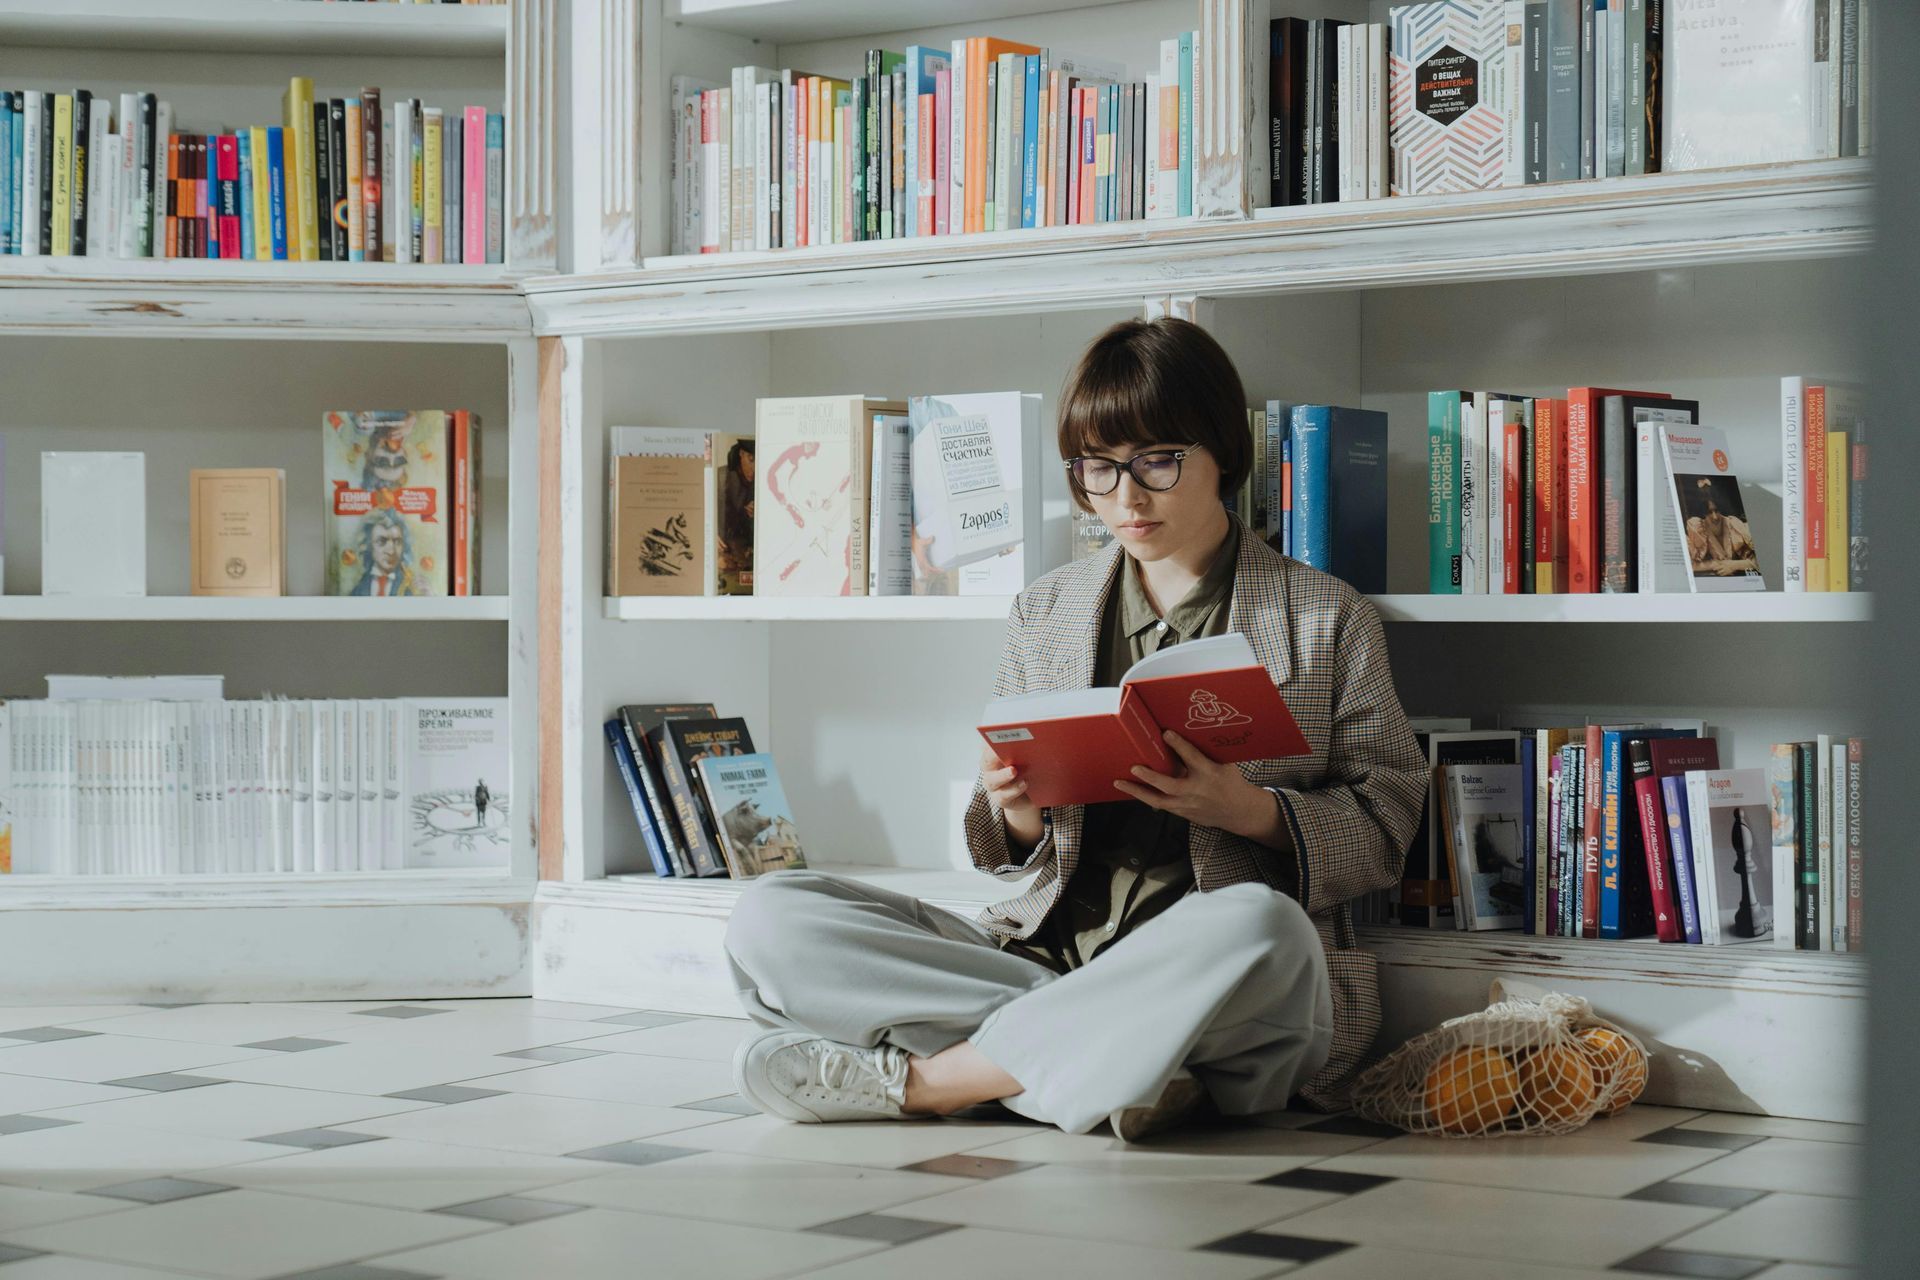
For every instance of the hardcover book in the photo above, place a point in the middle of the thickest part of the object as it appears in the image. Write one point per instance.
(810, 494)
(751, 814)
(237, 531)
(1628, 478)
(1671, 759)
(387, 511)
(680, 745)
(1738, 84)
(890, 507)
(976, 492)
(629, 770)
(657, 506)
(1448, 83)
(1073, 744)
(1452, 747)
(640, 720)
(733, 500)
(93, 524)
(1340, 493)
(455, 783)
(1733, 857)
(1486, 816)
(1709, 515)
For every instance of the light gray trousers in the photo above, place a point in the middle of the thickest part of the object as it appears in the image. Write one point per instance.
(1230, 984)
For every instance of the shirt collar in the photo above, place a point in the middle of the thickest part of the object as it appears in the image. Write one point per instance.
(1187, 617)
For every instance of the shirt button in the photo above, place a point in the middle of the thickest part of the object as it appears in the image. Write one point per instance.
(1159, 626)
(1111, 926)
(1133, 862)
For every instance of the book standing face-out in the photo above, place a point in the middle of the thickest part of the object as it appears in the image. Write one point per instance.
(456, 782)
(679, 746)
(751, 815)
(402, 502)
(93, 524)
(661, 529)
(812, 470)
(237, 529)
(976, 492)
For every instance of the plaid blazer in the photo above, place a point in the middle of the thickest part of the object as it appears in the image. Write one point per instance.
(1352, 804)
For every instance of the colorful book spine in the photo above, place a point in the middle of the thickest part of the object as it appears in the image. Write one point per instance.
(373, 165)
(227, 182)
(339, 196)
(1674, 803)
(473, 199)
(351, 199)
(416, 159)
(461, 484)
(259, 194)
(1443, 492)
(1813, 453)
(432, 158)
(62, 223)
(7, 242)
(277, 179)
(496, 186)
(84, 168)
(297, 112)
(616, 732)
(1806, 845)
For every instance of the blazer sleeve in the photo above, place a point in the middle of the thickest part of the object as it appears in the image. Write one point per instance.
(1350, 833)
(986, 830)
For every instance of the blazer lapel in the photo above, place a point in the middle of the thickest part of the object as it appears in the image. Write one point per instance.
(1259, 610)
(1078, 614)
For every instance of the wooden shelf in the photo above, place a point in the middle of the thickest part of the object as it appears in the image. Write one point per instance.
(808, 608)
(467, 886)
(1758, 606)
(166, 297)
(256, 26)
(270, 609)
(791, 21)
(1810, 209)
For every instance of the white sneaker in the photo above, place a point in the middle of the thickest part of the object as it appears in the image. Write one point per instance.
(799, 1076)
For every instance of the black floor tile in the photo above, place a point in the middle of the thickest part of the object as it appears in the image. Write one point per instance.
(164, 1082)
(316, 1139)
(1265, 1244)
(732, 1104)
(1703, 1138)
(28, 1124)
(293, 1044)
(510, 1210)
(45, 1035)
(399, 1011)
(1345, 1184)
(1703, 1266)
(1696, 1193)
(17, 1253)
(445, 1093)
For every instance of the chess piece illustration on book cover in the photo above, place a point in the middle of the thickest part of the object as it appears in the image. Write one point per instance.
(386, 476)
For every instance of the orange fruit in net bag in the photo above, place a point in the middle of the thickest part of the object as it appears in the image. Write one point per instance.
(1471, 1090)
(1617, 1064)
(1558, 1086)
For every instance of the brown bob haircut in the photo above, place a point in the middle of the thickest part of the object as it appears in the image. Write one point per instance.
(1148, 382)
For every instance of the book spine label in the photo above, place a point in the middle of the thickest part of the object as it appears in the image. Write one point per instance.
(1582, 527)
(1856, 845)
(1610, 801)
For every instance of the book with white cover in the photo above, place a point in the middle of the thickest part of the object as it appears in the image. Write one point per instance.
(1736, 875)
(976, 492)
(456, 782)
(1658, 543)
(93, 524)
(6, 790)
(1486, 807)
(155, 688)
(1738, 84)
(810, 493)
(325, 828)
(1709, 514)
(890, 499)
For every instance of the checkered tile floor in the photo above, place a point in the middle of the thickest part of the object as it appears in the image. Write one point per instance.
(511, 1139)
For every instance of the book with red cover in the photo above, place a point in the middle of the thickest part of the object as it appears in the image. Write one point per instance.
(227, 182)
(1072, 745)
(1549, 495)
(1583, 483)
(1669, 758)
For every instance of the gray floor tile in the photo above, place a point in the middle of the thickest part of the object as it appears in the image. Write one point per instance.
(14, 1253)
(883, 1227)
(293, 1044)
(1353, 1127)
(634, 1153)
(554, 1053)
(398, 1011)
(41, 1035)
(159, 1190)
(645, 1019)
(359, 1271)
(1703, 1266)
(966, 1166)
(1698, 1193)
(732, 1104)
(315, 1139)
(27, 1124)
(165, 1082)
(510, 1210)
(1703, 1138)
(444, 1093)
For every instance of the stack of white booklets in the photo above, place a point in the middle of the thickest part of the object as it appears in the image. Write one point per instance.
(138, 786)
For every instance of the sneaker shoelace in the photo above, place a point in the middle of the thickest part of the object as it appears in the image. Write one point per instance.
(859, 1072)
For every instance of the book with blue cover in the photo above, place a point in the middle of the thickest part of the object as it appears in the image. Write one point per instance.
(616, 731)
(1340, 493)
(750, 810)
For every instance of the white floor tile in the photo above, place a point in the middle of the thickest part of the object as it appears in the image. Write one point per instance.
(57, 1267)
(241, 1235)
(1637, 1121)
(1593, 1167)
(887, 1144)
(1491, 1222)
(362, 1068)
(63, 1015)
(230, 1024)
(400, 1174)
(619, 1077)
(1227, 1155)
(602, 1244)
(111, 1057)
(782, 1194)
(1368, 1263)
(239, 1110)
(1092, 1205)
(1792, 1228)
(1779, 1127)
(1789, 1164)
(969, 1254)
(28, 1207)
(537, 1124)
(492, 1032)
(1807, 1271)
(81, 1156)
(712, 1039)
(527, 1007)
(35, 1093)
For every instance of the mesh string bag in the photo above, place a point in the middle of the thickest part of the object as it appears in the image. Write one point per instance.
(1531, 1062)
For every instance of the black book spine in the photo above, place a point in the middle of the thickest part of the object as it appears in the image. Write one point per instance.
(46, 173)
(1636, 875)
(323, 179)
(653, 789)
(1527, 495)
(82, 146)
(143, 246)
(1655, 81)
(337, 185)
(870, 143)
(1806, 849)
(1316, 122)
(686, 805)
(372, 174)
(1536, 91)
(1850, 77)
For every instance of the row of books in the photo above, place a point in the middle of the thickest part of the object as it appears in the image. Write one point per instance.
(984, 135)
(1823, 468)
(832, 496)
(110, 781)
(402, 514)
(342, 179)
(707, 803)
(1624, 831)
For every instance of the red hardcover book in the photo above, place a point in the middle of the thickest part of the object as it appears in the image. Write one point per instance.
(459, 488)
(1510, 494)
(1590, 851)
(1583, 483)
(1813, 464)
(1072, 744)
(1667, 758)
(1549, 496)
(227, 178)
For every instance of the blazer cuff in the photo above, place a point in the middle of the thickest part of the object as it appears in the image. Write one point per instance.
(1297, 839)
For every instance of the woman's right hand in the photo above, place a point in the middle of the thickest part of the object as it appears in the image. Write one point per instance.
(1008, 794)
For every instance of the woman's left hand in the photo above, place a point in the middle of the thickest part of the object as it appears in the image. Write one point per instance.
(1206, 794)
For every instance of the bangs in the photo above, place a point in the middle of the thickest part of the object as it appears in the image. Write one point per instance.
(1112, 403)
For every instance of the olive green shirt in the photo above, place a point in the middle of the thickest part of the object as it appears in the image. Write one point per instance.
(1133, 862)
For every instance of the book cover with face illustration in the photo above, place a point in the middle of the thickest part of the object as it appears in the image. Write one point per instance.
(387, 502)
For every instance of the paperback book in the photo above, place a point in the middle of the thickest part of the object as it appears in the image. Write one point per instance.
(751, 814)
(388, 513)
(456, 783)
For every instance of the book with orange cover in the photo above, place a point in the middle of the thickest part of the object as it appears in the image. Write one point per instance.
(981, 53)
(1072, 745)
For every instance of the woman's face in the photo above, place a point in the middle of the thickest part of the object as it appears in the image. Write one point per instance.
(1153, 525)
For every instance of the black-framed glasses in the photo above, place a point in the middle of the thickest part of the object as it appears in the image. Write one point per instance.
(1155, 469)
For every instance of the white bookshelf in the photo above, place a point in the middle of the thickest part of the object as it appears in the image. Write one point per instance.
(270, 347)
(809, 609)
